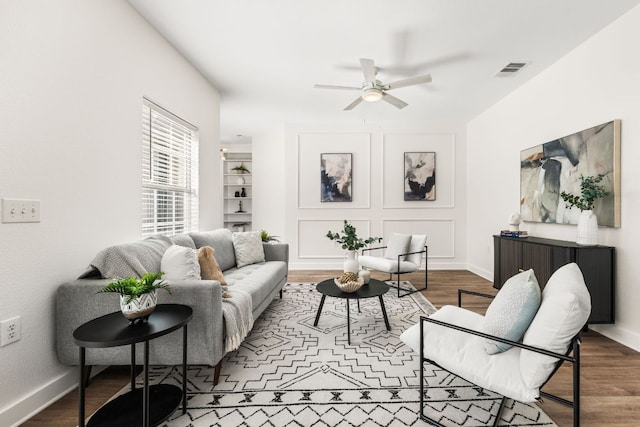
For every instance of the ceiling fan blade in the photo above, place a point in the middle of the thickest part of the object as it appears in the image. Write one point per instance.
(337, 87)
(369, 70)
(393, 100)
(353, 104)
(410, 82)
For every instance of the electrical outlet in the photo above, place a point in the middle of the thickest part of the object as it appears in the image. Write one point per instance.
(10, 331)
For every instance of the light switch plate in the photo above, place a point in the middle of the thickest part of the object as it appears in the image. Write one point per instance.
(20, 210)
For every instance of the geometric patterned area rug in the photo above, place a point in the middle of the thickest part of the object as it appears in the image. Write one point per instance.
(288, 372)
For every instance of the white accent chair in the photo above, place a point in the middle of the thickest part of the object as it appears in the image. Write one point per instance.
(403, 255)
(456, 339)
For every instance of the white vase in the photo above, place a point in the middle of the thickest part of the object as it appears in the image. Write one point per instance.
(240, 180)
(351, 264)
(139, 307)
(587, 234)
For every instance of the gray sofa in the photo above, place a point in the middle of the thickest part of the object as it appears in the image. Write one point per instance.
(77, 301)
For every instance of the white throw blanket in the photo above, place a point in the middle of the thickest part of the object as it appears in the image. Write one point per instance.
(238, 318)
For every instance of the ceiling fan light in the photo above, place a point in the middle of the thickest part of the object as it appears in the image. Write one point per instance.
(372, 95)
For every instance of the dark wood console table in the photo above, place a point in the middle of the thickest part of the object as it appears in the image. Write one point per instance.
(547, 255)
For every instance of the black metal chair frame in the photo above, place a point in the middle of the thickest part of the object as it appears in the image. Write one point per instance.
(398, 273)
(574, 350)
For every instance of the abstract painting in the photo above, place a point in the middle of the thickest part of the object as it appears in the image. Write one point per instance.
(335, 177)
(419, 176)
(548, 169)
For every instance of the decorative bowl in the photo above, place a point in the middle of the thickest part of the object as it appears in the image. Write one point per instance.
(350, 286)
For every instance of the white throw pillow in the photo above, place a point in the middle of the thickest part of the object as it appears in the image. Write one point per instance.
(512, 310)
(248, 248)
(398, 244)
(565, 309)
(180, 263)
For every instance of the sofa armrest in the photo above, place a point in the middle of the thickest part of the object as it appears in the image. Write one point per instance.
(77, 302)
(276, 252)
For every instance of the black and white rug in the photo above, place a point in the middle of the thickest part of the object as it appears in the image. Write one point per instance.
(290, 373)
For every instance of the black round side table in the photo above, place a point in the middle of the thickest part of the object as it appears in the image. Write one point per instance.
(159, 401)
(375, 288)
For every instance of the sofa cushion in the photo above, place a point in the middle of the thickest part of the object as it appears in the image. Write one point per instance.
(183, 240)
(259, 280)
(248, 248)
(180, 263)
(387, 265)
(132, 259)
(563, 312)
(398, 244)
(512, 310)
(463, 354)
(221, 241)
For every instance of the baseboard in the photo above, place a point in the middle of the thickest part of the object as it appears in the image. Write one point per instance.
(485, 274)
(621, 335)
(42, 397)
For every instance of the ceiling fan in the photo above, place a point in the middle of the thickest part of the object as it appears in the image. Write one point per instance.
(374, 90)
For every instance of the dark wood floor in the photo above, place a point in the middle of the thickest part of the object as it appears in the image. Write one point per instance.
(610, 380)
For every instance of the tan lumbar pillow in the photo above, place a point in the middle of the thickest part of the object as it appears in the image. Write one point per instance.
(209, 268)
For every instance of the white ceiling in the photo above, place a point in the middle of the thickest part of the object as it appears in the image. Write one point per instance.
(264, 56)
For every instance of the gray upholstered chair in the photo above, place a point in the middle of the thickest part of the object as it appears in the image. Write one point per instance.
(403, 254)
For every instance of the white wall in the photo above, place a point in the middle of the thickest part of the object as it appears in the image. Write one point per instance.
(597, 82)
(72, 81)
(378, 208)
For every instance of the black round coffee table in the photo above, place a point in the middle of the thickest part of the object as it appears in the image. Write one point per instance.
(141, 406)
(375, 288)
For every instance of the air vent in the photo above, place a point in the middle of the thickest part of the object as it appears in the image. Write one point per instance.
(511, 69)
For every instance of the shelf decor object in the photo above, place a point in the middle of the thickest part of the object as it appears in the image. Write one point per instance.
(237, 182)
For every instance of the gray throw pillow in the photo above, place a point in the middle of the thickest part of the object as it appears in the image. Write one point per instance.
(248, 248)
(512, 310)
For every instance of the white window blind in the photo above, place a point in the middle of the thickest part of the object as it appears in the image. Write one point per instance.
(169, 172)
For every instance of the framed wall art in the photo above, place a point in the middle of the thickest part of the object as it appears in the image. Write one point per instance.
(419, 176)
(335, 177)
(548, 169)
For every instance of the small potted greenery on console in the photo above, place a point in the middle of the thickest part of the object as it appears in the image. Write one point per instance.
(591, 190)
(138, 295)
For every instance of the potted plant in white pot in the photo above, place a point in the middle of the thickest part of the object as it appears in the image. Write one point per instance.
(138, 295)
(350, 242)
(591, 190)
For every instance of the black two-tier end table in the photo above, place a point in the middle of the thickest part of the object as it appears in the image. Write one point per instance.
(146, 406)
(375, 288)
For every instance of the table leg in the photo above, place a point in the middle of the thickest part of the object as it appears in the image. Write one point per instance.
(348, 324)
(319, 310)
(81, 388)
(184, 370)
(133, 367)
(145, 390)
(358, 300)
(384, 313)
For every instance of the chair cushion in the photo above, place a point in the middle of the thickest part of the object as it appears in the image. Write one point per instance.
(180, 263)
(386, 265)
(563, 312)
(398, 244)
(418, 241)
(463, 354)
(512, 310)
(248, 248)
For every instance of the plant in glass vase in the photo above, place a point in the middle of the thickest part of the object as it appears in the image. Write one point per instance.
(591, 190)
(350, 242)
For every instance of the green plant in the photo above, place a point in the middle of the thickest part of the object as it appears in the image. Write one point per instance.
(241, 168)
(266, 237)
(349, 239)
(133, 287)
(591, 190)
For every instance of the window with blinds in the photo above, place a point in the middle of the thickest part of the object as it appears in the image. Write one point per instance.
(169, 172)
